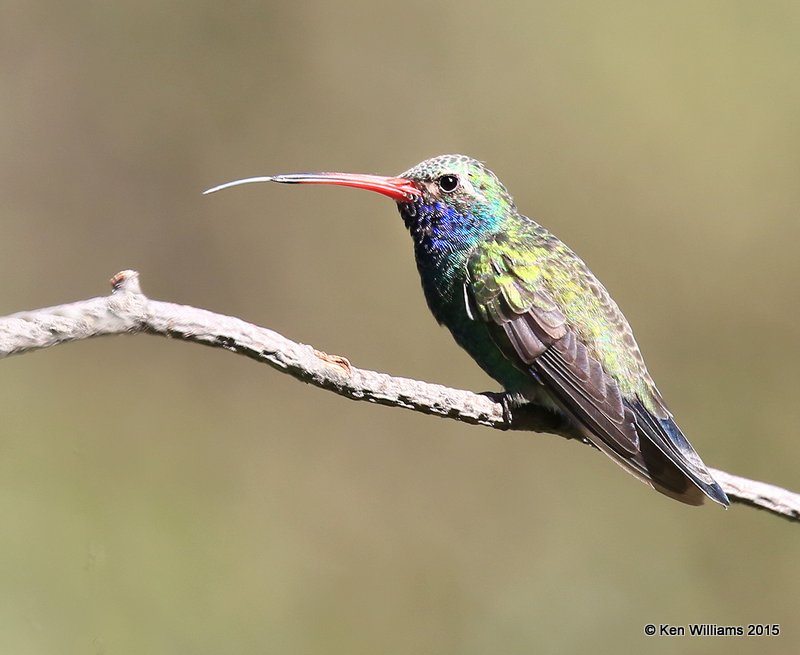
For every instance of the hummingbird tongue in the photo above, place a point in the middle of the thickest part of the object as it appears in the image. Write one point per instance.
(399, 189)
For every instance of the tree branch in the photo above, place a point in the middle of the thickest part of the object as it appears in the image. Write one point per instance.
(128, 310)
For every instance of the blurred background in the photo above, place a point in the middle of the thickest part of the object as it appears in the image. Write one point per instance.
(158, 497)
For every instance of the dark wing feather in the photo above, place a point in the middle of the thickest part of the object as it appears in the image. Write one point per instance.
(581, 384)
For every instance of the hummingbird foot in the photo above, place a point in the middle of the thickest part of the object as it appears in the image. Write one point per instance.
(509, 402)
(508, 417)
(520, 413)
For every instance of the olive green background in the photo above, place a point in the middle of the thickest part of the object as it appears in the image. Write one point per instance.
(158, 497)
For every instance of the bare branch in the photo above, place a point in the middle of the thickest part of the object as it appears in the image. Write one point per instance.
(128, 310)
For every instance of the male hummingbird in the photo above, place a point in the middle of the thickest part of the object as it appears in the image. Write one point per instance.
(533, 316)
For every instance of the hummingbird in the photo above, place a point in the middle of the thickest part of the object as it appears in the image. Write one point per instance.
(533, 316)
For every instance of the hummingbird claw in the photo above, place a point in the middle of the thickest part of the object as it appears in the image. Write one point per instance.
(508, 418)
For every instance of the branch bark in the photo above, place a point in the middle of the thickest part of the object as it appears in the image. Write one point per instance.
(128, 310)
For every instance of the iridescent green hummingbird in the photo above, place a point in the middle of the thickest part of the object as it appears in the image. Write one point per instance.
(533, 316)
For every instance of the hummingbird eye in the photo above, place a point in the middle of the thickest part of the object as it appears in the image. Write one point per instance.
(448, 183)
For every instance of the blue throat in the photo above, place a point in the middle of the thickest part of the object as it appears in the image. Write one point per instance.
(444, 237)
(444, 234)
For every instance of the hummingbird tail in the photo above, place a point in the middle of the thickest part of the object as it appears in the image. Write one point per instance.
(670, 464)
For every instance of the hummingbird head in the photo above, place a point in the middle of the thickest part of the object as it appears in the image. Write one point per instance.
(459, 182)
(459, 201)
